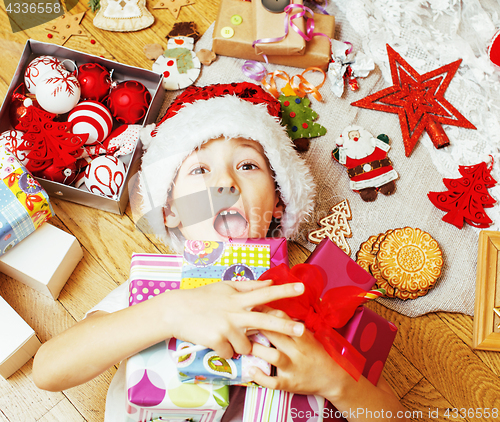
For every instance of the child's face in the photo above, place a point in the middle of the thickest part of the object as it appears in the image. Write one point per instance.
(237, 169)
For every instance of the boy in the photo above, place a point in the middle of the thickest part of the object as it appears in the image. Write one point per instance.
(219, 166)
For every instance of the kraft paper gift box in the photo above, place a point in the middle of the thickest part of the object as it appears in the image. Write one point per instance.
(236, 39)
(267, 405)
(338, 268)
(268, 25)
(154, 390)
(18, 341)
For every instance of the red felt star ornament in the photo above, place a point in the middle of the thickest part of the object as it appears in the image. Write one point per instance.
(419, 101)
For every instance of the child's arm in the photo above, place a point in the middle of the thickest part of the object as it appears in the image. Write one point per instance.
(216, 316)
(305, 367)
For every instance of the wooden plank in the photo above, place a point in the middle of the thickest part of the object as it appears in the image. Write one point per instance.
(399, 373)
(444, 360)
(425, 403)
(63, 411)
(19, 393)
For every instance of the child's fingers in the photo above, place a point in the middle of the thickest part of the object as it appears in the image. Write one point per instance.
(270, 355)
(266, 322)
(264, 380)
(248, 286)
(271, 293)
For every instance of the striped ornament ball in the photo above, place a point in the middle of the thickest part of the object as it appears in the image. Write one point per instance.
(93, 118)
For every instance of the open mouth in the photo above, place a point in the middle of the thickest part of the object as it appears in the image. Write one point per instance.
(231, 223)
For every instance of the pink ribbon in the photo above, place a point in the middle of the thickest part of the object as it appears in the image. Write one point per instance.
(308, 36)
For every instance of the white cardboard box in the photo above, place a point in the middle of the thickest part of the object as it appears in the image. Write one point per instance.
(18, 342)
(44, 260)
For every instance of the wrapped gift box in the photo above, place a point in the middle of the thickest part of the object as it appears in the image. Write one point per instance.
(278, 249)
(206, 262)
(24, 205)
(44, 260)
(18, 340)
(121, 72)
(235, 40)
(372, 336)
(272, 25)
(152, 274)
(338, 268)
(207, 366)
(266, 405)
(154, 390)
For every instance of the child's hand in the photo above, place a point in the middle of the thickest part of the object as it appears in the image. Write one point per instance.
(218, 315)
(303, 365)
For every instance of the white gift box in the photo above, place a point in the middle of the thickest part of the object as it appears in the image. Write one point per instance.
(44, 260)
(18, 342)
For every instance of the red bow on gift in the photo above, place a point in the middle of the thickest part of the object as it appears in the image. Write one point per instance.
(321, 316)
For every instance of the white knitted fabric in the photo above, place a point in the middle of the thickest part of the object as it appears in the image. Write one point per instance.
(428, 34)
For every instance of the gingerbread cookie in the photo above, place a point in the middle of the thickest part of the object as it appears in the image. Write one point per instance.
(405, 262)
(410, 259)
(364, 256)
(335, 226)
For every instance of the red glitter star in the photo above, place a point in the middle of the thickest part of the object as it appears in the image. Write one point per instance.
(419, 101)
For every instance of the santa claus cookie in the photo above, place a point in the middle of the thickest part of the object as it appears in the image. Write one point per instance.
(365, 158)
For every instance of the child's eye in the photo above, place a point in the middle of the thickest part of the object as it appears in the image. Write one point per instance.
(248, 166)
(199, 170)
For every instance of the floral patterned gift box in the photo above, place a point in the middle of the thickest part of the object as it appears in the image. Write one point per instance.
(24, 204)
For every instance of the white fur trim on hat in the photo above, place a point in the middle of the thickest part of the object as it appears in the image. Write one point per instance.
(196, 123)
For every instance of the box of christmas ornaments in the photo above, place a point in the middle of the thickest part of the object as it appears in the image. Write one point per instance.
(73, 120)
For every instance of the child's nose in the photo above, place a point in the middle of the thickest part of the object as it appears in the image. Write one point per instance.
(224, 197)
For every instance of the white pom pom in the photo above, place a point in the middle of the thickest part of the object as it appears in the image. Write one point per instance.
(146, 135)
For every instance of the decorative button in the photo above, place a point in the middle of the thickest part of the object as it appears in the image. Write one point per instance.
(236, 19)
(227, 32)
(367, 167)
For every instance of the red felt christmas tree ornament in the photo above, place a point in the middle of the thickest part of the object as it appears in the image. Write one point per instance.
(467, 197)
(419, 101)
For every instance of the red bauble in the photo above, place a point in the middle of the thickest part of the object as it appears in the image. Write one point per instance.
(95, 81)
(129, 102)
(58, 174)
(19, 106)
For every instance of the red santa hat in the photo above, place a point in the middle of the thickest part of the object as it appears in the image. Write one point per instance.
(200, 114)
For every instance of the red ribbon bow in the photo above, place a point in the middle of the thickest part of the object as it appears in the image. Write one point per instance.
(321, 316)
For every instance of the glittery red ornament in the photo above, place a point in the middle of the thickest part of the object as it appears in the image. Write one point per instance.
(467, 197)
(129, 102)
(95, 81)
(419, 101)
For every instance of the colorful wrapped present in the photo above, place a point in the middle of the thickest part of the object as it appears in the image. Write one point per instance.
(24, 205)
(152, 274)
(207, 366)
(277, 246)
(371, 335)
(154, 390)
(207, 262)
(266, 405)
(338, 268)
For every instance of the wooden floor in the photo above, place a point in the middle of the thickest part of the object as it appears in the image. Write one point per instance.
(431, 366)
